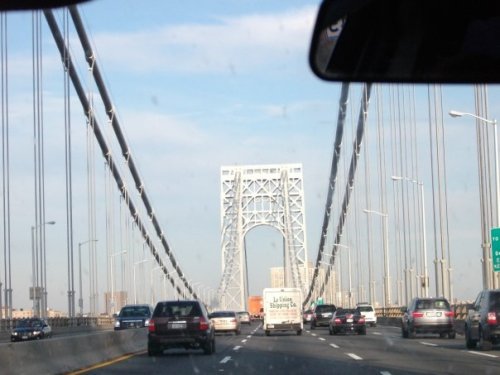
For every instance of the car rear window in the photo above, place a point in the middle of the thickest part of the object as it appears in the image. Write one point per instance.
(134, 311)
(438, 304)
(325, 308)
(365, 308)
(222, 314)
(177, 309)
(495, 301)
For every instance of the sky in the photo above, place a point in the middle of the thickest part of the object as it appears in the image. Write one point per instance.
(198, 85)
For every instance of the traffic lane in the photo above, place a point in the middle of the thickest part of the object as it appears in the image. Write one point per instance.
(252, 352)
(384, 347)
(178, 361)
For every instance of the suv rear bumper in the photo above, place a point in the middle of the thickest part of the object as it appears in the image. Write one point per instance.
(434, 328)
(160, 341)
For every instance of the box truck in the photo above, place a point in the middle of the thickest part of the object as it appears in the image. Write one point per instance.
(255, 307)
(282, 310)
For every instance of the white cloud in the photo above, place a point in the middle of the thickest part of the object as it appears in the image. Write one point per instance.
(237, 43)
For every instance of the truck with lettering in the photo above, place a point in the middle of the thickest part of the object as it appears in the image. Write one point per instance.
(282, 310)
(255, 307)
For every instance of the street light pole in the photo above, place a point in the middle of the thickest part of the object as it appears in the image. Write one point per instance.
(39, 296)
(387, 278)
(424, 236)
(487, 284)
(80, 300)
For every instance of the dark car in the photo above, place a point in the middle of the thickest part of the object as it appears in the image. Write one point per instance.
(321, 315)
(483, 321)
(346, 321)
(133, 316)
(180, 324)
(428, 315)
(31, 329)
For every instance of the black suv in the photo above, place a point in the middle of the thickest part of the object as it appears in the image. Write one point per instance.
(322, 315)
(483, 321)
(133, 316)
(428, 315)
(180, 324)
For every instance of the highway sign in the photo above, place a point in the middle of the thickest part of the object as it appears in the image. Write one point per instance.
(495, 248)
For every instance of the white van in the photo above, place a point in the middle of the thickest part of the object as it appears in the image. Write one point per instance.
(282, 310)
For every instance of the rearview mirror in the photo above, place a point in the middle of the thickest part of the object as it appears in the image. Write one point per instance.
(410, 41)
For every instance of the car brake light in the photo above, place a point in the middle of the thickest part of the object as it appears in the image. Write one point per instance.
(361, 320)
(151, 326)
(203, 324)
(337, 320)
(449, 314)
(492, 318)
(417, 314)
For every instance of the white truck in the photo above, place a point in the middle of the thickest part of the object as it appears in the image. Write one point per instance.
(282, 310)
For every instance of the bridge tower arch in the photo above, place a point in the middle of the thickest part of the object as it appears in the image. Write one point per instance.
(261, 195)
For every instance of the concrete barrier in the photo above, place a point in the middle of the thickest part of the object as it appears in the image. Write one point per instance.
(64, 354)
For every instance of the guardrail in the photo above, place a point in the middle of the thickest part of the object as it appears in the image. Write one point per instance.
(91, 322)
(460, 311)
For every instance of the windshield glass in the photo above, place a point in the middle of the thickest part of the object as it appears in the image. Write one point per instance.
(184, 155)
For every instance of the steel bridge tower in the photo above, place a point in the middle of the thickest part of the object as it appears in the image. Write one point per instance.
(261, 195)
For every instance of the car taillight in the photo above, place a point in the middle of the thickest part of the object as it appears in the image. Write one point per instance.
(337, 320)
(417, 314)
(492, 318)
(151, 326)
(361, 320)
(449, 314)
(204, 324)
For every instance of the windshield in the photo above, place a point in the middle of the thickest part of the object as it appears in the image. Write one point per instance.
(184, 155)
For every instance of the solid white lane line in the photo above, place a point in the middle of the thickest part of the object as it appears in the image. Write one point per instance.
(225, 359)
(237, 348)
(427, 343)
(354, 356)
(334, 346)
(483, 354)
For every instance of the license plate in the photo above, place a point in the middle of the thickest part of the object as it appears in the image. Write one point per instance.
(430, 314)
(177, 325)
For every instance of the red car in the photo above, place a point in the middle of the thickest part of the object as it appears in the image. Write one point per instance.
(346, 321)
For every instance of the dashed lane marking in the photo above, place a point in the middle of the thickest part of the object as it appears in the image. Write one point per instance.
(321, 338)
(428, 343)
(354, 356)
(236, 348)
(245, 340)
(334, 346)
(483, 354)
(385, 373)
(225, 359)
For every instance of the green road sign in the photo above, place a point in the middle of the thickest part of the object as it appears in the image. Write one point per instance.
(495, 248)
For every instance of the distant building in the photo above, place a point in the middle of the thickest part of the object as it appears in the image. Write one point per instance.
(115, 301)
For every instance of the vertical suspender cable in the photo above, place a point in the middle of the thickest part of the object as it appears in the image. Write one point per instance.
(5, 172)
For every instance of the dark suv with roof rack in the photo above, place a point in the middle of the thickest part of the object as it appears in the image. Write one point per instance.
(483, 321)
(180, 324)
(321, 315)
